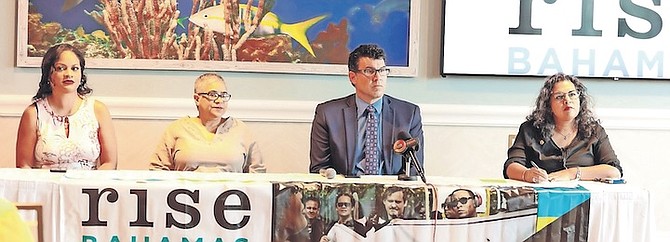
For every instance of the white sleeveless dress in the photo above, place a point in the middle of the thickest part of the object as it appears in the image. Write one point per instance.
(55, 150)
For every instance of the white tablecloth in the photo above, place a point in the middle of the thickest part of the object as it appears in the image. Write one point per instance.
(620, 212)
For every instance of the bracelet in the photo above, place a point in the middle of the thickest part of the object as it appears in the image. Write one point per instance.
(523, 177)
(578, 174)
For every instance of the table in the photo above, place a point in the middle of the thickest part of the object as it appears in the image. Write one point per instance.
(93, 206)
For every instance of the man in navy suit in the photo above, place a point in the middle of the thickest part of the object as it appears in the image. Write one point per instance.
(339, 125)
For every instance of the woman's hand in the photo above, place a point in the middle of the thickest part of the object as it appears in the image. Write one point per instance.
(535, 175)
(564, 175)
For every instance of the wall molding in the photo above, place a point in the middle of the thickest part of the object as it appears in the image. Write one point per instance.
(303, 112)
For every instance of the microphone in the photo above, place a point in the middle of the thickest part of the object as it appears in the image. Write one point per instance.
(404, 143)
(407, 146)
(328, 173)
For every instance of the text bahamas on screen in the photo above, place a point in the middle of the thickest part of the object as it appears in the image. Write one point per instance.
(645, 63)
(583, 62)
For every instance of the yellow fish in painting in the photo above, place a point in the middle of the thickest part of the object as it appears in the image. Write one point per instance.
(80, 31)
(213, 18)
(99, 34)
(69, 4)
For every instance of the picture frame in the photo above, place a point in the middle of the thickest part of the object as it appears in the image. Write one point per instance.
(169, 39)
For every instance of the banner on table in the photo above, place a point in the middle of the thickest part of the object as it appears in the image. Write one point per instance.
(147, 212)
(203, 211)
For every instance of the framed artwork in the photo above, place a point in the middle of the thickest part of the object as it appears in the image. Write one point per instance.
(287, 36)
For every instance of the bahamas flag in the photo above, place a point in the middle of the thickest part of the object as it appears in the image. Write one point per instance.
(562, 214)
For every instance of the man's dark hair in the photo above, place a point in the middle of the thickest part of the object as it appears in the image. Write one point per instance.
(393, 189)
(345, 194)
(367, 50)
(318, 203)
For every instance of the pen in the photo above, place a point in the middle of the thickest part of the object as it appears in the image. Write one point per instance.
(535, 165)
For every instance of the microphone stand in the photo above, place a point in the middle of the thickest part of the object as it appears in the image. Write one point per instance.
(415, 161)
(406, 175)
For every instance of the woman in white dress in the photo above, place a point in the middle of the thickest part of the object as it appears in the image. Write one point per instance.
(64, 128)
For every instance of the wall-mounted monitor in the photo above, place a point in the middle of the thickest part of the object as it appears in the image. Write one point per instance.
(588, 38)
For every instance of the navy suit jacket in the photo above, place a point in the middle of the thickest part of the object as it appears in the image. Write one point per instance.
(333, 137)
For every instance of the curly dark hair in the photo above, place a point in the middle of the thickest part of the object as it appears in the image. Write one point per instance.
(48, 62)
(543, 118)
(367, 50)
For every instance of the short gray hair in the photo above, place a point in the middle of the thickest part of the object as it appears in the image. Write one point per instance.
(204, 77)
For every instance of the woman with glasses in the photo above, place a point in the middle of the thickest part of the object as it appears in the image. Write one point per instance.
(211, 141)
(64, 128)
(561, 139)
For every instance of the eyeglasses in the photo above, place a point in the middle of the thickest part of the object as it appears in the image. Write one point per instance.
(462, 200)
(213, 95)
(370, 72)
(572, 95)
(61, 68)
(343, 205)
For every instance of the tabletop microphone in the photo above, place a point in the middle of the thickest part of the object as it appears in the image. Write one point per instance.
(405, 143)
(407, 146)
(403, 146)
(328, 173)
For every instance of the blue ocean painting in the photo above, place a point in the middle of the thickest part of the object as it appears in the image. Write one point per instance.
(384, 22)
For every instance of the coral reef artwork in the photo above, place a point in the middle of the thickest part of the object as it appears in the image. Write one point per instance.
(272, 31)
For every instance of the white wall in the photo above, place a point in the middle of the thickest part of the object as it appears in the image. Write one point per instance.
(467, 118)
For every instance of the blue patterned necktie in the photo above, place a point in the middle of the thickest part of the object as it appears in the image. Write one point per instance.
(371, 152)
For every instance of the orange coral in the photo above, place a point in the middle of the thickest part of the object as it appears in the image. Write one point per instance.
(41, 36)
(141, 30)
(271, 48)
(331, 45)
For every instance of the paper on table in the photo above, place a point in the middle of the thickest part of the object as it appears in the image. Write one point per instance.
(551, 184)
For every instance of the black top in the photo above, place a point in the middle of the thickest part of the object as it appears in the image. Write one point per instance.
(529, 145)
(316, 229)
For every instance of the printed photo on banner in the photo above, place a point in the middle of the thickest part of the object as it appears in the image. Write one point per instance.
(331, 211)
(461, 202)
(288, 224)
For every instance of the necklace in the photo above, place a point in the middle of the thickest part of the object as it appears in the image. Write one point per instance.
(565, 136)
(56, 117)
(61, 119)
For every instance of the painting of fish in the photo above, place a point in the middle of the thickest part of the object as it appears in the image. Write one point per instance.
(303, 36)
(213, 18)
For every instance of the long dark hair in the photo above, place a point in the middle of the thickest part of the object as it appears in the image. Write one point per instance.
(48, 62)
(543, 118)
